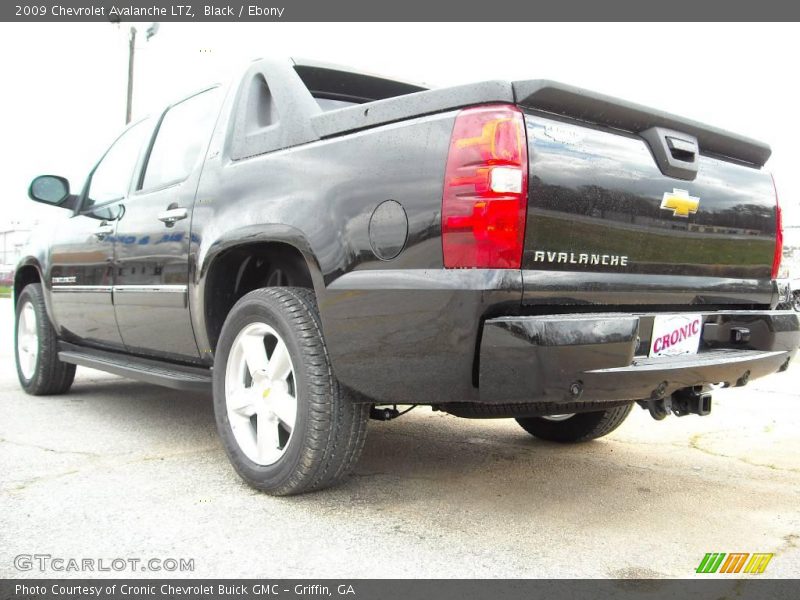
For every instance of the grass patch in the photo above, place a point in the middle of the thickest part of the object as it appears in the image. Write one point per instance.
(5, 291)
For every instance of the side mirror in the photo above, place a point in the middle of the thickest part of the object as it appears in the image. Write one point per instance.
(52, 190)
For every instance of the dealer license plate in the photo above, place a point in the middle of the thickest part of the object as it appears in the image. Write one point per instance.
(676, 334)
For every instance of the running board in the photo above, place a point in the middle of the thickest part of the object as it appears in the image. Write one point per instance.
(179, 377)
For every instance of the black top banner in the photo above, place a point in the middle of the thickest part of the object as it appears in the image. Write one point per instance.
(409, 10)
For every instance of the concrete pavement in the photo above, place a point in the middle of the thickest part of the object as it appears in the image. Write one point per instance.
(119, 469)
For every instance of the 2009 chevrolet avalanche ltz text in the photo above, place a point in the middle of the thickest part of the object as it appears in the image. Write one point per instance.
(317, 245)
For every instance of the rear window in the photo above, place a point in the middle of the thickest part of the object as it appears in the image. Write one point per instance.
(181, 140)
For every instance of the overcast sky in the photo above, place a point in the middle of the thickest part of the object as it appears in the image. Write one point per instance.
(63, 91)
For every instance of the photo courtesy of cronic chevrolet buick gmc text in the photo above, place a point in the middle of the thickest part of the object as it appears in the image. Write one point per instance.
(318, 245)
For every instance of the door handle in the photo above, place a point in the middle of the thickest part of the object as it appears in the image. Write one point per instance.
(172, 215)
(103, 230)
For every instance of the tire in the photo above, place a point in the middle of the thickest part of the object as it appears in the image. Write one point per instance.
(39, 370)
(288, 454)
(796, 301)
(475, 410)
(580, 427)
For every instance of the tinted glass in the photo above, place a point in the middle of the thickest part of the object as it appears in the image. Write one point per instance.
(112, 177)
(181, 140)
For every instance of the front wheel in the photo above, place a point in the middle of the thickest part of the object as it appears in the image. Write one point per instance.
(286, 424)
(580, 427)
(39, 370)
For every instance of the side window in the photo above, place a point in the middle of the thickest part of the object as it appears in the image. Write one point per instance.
(182, 138)
(112, 177)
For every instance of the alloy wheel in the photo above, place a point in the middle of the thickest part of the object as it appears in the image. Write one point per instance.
(27, 340)
(260, 393)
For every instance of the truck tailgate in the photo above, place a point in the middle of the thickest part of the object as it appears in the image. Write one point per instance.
(600, 200)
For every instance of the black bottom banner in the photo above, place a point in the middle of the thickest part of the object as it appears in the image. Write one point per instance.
(395, 589)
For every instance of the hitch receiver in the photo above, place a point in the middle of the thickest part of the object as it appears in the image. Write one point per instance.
(691, 401)
(688, 401)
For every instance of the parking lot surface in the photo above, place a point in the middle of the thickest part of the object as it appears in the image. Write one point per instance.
(119, 469)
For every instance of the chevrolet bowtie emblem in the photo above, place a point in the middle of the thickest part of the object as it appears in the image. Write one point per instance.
(680, 203)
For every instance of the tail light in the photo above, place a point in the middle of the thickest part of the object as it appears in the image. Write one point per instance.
(484, 202)
(776, 258)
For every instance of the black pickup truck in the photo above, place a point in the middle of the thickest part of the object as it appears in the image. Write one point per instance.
(319, 245)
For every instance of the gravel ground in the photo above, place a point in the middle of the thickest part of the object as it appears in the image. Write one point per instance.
(119, 469)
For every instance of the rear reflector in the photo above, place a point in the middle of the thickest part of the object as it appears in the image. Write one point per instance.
(776, 258)
(484, 202)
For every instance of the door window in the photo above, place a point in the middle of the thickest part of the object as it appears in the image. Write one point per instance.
(112, 177)
(181, 140)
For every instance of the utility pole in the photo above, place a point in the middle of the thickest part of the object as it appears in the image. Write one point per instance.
(131, 54)
(151, 31)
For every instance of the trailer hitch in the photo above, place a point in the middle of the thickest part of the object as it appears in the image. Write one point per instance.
(686, 401)
(691, 401)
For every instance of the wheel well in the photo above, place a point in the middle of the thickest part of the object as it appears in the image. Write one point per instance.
(245, 268)
(24, 276)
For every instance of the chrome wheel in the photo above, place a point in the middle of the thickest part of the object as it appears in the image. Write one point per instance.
(27, 341)
(260, 393)
(563, 417)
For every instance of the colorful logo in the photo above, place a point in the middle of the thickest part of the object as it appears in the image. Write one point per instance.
(736, 562)
(680, 203)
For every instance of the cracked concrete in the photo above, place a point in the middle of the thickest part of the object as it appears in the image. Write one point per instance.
(695, 443)
(123, 469)
(46, 449)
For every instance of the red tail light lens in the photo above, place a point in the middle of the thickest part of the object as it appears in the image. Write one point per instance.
(484, 203)
(776, 258)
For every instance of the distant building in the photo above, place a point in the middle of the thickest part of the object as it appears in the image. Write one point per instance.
(791, 252)
(12, 242)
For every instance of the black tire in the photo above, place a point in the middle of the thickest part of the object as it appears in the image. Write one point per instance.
(330, 429)
(475, 410)
(580, 427)
(50, 376)
(796, 301)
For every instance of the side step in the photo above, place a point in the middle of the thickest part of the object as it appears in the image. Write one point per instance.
(179, 377)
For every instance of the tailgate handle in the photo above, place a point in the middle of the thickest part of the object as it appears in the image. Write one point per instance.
(683, 150)
(676, 154)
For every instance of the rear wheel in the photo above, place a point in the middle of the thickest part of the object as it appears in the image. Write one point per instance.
(39, 370)
(580, 427)
(286, 424)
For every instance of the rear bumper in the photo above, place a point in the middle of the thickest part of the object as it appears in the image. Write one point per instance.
(602, 357)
